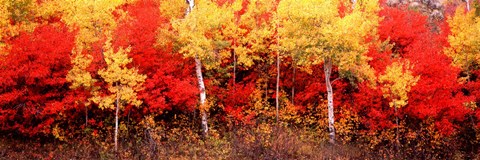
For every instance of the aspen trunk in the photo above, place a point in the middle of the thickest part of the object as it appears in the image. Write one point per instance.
(293, 82)
(234, 70)
(266, 82)
(277, 86)
(397, 141)
(203, 96)
(468, 5)
(116, 116)
(86, 116)
(201, 84)
(331, 119)
(191, 4)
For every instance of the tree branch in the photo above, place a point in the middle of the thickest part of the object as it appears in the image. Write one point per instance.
(336, 79)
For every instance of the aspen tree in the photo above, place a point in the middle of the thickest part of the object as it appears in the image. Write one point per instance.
(314, 31)
(200, 37)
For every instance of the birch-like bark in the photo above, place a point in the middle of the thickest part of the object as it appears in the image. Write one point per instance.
(203, 96)
(116, 116)
(331, 119)
(277, 86)
(201, 84)
(397, 141)
(293, 82)
(191, 4)
(234, 70)
(468, 5)
(266, 82)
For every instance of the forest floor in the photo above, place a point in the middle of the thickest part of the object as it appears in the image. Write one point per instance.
(38, 148)
(186, 144)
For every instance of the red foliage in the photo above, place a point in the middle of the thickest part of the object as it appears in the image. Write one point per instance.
(34, 91)
(236, 98)
(437, 94)
(309, 88)
(402, 27)
(34, 94)
(171, 83)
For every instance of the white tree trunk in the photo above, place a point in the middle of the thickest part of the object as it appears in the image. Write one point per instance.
(203, 96)
(331, 119)
(234, 70)
(468, 5)
(201, 84)
(293, 82)
(191, 4)
(116, 116)
(277, 86)
(397, 141)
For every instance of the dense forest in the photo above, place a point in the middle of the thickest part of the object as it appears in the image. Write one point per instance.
(239, 79)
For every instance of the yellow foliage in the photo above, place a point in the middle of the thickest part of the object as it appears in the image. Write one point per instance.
(125, 82)
(57, 133)
(313, 118)
(464, 39)
(78, 75)
(260, 105)
(209, 102)
(313, 30)
(5, 13)
(173, 8)
(4, 18)
(347, 125)
(297, 31)
(289, 113)
(398, 80)
(21, 13)
(199, 33)
(90, 17)
(252, 31)
(94, 19)
(3, 24)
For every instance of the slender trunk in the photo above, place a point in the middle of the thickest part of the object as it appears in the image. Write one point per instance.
(331, 119)
(234, 91)
(234, 148)
(128, 116)
(266, 82)
(277, 85)
(191, 4)
(98, 32)
(468, 5)
(293, 83)
(194, 118)
(86, 116)
(203, 96)
(266, 89)
(116, 116)
(397, 141)
(234, 69)
(201, 85)
(128, 123)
